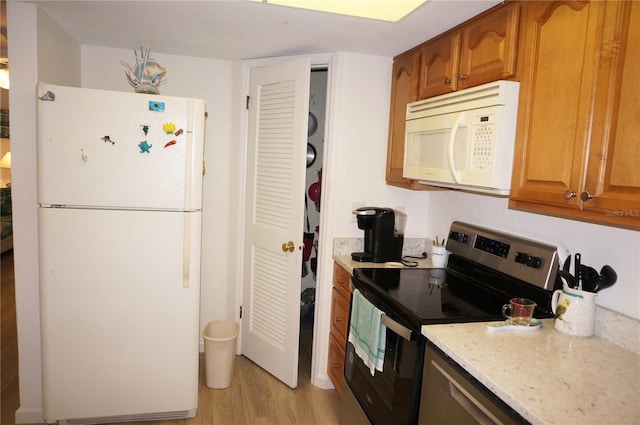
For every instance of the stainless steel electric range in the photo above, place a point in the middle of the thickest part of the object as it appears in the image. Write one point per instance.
(486, 268)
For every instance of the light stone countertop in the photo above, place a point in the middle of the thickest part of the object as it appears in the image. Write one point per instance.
(546, 376)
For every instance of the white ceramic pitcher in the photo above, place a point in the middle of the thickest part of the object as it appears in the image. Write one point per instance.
(575, 311)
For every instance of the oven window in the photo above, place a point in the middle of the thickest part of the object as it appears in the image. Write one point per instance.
(390, 396)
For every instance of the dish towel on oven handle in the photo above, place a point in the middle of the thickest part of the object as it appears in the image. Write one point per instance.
(367, 333)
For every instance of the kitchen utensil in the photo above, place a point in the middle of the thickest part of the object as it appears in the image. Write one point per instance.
(311, 155)
(312, 125)
(564, 257)
(577, 271)
(608, 277)
(521, 311)
(590, 278)
(567, 279)
(575, 311)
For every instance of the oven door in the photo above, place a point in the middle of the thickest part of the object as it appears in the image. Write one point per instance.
(393, 395)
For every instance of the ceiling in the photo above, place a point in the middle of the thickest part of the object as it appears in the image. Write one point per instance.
(233, 29)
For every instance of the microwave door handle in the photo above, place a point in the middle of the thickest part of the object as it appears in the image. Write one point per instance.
(452, 139)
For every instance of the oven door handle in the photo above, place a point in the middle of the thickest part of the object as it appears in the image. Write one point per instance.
(396, 327)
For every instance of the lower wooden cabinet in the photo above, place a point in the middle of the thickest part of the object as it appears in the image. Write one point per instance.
(340, 310)
(335, 364)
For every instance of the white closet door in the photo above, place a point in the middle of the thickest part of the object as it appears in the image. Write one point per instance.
(276, 165)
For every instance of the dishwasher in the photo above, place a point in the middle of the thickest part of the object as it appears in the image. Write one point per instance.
(451, 396)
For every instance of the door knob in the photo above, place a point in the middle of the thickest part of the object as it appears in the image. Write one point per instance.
(288, 246)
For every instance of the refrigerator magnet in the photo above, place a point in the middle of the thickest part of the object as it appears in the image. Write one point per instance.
(178, 132)
(108, 139)
(171, 143)
(169, 127)
(145, 129)
(144, 147)
(156, 106)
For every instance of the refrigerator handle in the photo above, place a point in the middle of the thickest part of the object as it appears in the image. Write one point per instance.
(186, 251)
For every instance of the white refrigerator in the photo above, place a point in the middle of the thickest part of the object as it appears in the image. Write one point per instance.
(120, 198)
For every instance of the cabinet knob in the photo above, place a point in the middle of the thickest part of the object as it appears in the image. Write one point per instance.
(447, 80)
(568, 194)
(338, 319)
(585, 196)
(334, 365)
(463, 76)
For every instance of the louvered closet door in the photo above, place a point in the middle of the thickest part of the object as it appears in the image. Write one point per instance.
(276, 154)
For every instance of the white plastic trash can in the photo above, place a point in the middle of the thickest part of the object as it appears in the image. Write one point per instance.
(220, 352)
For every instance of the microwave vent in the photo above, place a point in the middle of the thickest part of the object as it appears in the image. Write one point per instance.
(491, 94)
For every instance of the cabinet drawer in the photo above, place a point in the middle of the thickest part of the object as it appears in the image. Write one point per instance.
(339, 315)
(335, 364)
(341, 280)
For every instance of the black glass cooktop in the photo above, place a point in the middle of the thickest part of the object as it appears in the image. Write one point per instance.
(430, 296)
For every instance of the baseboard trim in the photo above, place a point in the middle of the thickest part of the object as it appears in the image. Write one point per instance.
(29, 415)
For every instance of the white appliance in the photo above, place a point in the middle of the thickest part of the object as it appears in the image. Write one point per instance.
(119, 195)
(464, 139)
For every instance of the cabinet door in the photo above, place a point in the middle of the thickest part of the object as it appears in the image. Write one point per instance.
(439, 68)
(560, 58)
(404, 89)
(341, 280)
(613, 174)
(489, 46)
(340, 310)
(335, 364)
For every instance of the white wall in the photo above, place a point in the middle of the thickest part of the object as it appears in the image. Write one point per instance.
(354, 170)
(599, 245)
(40, 50)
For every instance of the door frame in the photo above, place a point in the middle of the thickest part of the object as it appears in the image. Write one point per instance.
(324, 273)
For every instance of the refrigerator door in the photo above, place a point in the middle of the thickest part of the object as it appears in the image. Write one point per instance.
(119, 312)
(100, 148)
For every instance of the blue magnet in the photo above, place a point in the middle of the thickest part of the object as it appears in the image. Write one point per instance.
(156, 106)
(144, 147)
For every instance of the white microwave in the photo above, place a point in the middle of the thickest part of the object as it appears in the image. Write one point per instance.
(465, 139)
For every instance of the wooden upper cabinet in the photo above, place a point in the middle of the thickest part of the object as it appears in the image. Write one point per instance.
(489, 46)
(404, 89)
(478, 52)
(439, 68)
(577, 153)
(613, 166)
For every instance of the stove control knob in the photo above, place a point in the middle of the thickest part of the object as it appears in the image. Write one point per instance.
(534, 262)
(458, 237)
(522, 257)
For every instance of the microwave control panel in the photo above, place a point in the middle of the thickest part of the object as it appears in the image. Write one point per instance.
(483, 137)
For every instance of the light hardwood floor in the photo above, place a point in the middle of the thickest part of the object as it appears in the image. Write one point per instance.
(254, 397)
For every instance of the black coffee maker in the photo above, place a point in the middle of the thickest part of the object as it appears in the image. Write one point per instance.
(383, 234)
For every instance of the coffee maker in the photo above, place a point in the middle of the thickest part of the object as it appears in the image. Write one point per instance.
(383, 234)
